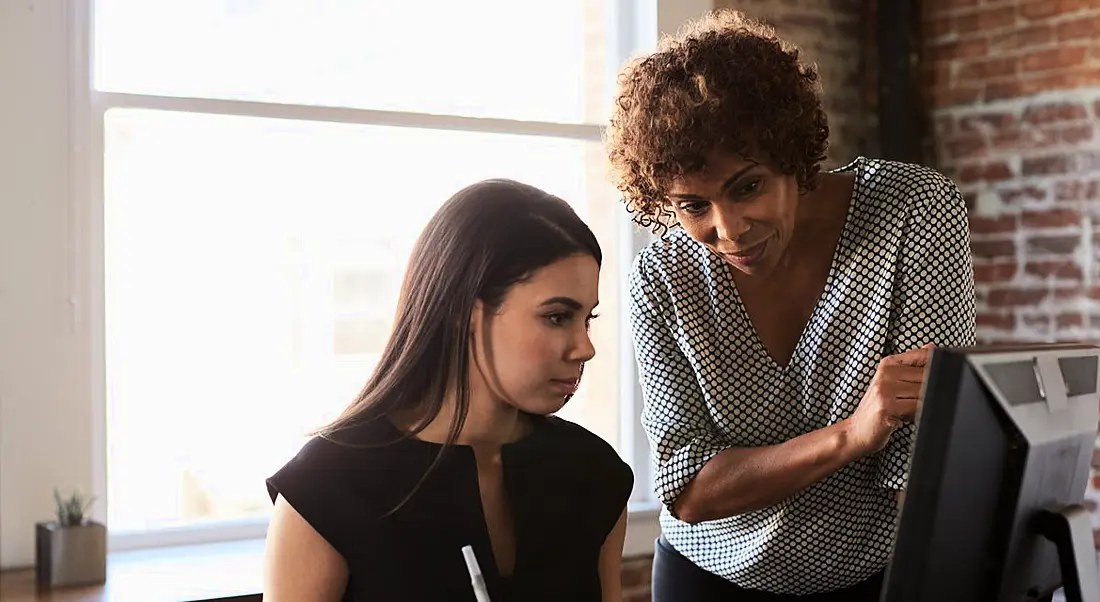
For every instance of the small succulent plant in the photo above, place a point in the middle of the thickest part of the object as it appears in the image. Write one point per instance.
(71, 510)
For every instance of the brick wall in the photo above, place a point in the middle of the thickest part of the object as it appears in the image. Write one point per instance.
(1014, 87)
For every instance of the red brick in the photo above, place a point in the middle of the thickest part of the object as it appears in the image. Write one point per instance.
(1037, 82)
(938, 27)
(970, 147)
(999, 321)
(1062, 321)
(990, 273)
(1077, 190)
(933, 75)
(1011, 140)
(987, 172)
(1054, 245)
(633, 576)
(1022, 195)
(1055, 218)
(950, 96)
(993, 225)
(988, 69)
(1013, 88)
(1014, 297)
(1073, 29)
(1054, 112)
(1057, 58)
(1077, 78)
(1060, 270)
(1042, 9)
(987, 19)
(1023, 37)
(993, 248)
(1075, 134)
(959, 49)
(1053, 164)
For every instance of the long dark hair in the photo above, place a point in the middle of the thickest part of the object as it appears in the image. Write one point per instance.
(486, 238)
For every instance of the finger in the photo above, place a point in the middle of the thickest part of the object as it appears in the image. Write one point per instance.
(907, 374)
(913, 357)
(905, 409)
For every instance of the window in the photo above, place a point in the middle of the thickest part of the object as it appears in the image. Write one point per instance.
(266, 166)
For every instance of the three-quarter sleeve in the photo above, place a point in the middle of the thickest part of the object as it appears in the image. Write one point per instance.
(681, 434)
(933, 297)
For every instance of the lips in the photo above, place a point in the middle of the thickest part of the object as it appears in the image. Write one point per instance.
(748, 256)
(566, 386)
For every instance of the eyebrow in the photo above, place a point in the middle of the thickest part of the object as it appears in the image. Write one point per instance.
(569, 302)
(729, 182)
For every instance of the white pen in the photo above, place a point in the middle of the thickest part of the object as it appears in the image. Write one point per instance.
(478, 581)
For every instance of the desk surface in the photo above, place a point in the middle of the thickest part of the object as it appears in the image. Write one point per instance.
(208, 572)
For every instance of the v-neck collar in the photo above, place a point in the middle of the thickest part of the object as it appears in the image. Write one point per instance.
(857, 166)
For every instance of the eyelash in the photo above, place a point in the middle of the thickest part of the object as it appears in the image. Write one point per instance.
(568, 316)
(749, 188)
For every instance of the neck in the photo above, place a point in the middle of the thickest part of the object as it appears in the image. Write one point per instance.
(490, 423)
(822, 209)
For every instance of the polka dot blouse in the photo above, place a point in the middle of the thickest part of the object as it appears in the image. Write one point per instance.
(901, 277)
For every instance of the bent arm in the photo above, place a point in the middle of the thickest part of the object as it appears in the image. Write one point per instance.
(699, 475)
(299, 564)
(740, 480)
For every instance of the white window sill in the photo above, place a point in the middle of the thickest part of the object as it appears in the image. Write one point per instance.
(207, 571)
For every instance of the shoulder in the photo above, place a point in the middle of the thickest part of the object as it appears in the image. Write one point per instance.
(908, 187)
(358, 447)
(589, 451)
(674, 251)
(666, 265)
(322, 482)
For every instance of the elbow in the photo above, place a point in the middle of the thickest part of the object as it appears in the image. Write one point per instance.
(687, 509)
(686, 513)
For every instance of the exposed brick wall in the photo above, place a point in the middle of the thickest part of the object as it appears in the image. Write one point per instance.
(1015, 92)
(636, 576)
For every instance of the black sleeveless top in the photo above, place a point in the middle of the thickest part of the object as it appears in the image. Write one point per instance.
(567, 488)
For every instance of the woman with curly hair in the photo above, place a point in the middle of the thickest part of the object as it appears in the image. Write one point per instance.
(782, 320)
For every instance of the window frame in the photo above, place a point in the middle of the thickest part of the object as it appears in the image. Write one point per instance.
(633, 25)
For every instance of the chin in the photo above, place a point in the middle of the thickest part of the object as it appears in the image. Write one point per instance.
(545, 408)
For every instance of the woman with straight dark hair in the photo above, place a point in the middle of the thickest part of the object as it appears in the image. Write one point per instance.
(451, 442)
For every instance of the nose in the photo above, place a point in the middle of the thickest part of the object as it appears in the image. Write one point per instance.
(583, 350)
(729, 224)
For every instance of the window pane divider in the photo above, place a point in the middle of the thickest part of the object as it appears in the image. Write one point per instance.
(104, 101)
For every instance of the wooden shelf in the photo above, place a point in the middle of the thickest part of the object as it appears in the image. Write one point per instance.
(231, 571)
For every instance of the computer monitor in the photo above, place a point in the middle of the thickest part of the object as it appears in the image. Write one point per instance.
(994, 507)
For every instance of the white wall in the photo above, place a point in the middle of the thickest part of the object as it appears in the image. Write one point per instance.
(45, 405)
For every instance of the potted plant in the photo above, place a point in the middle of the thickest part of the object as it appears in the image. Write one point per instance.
(71, 550)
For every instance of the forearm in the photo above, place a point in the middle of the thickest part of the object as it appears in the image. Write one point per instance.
(740, 480)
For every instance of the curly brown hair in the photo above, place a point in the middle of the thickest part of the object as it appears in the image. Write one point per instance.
(724, 82)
